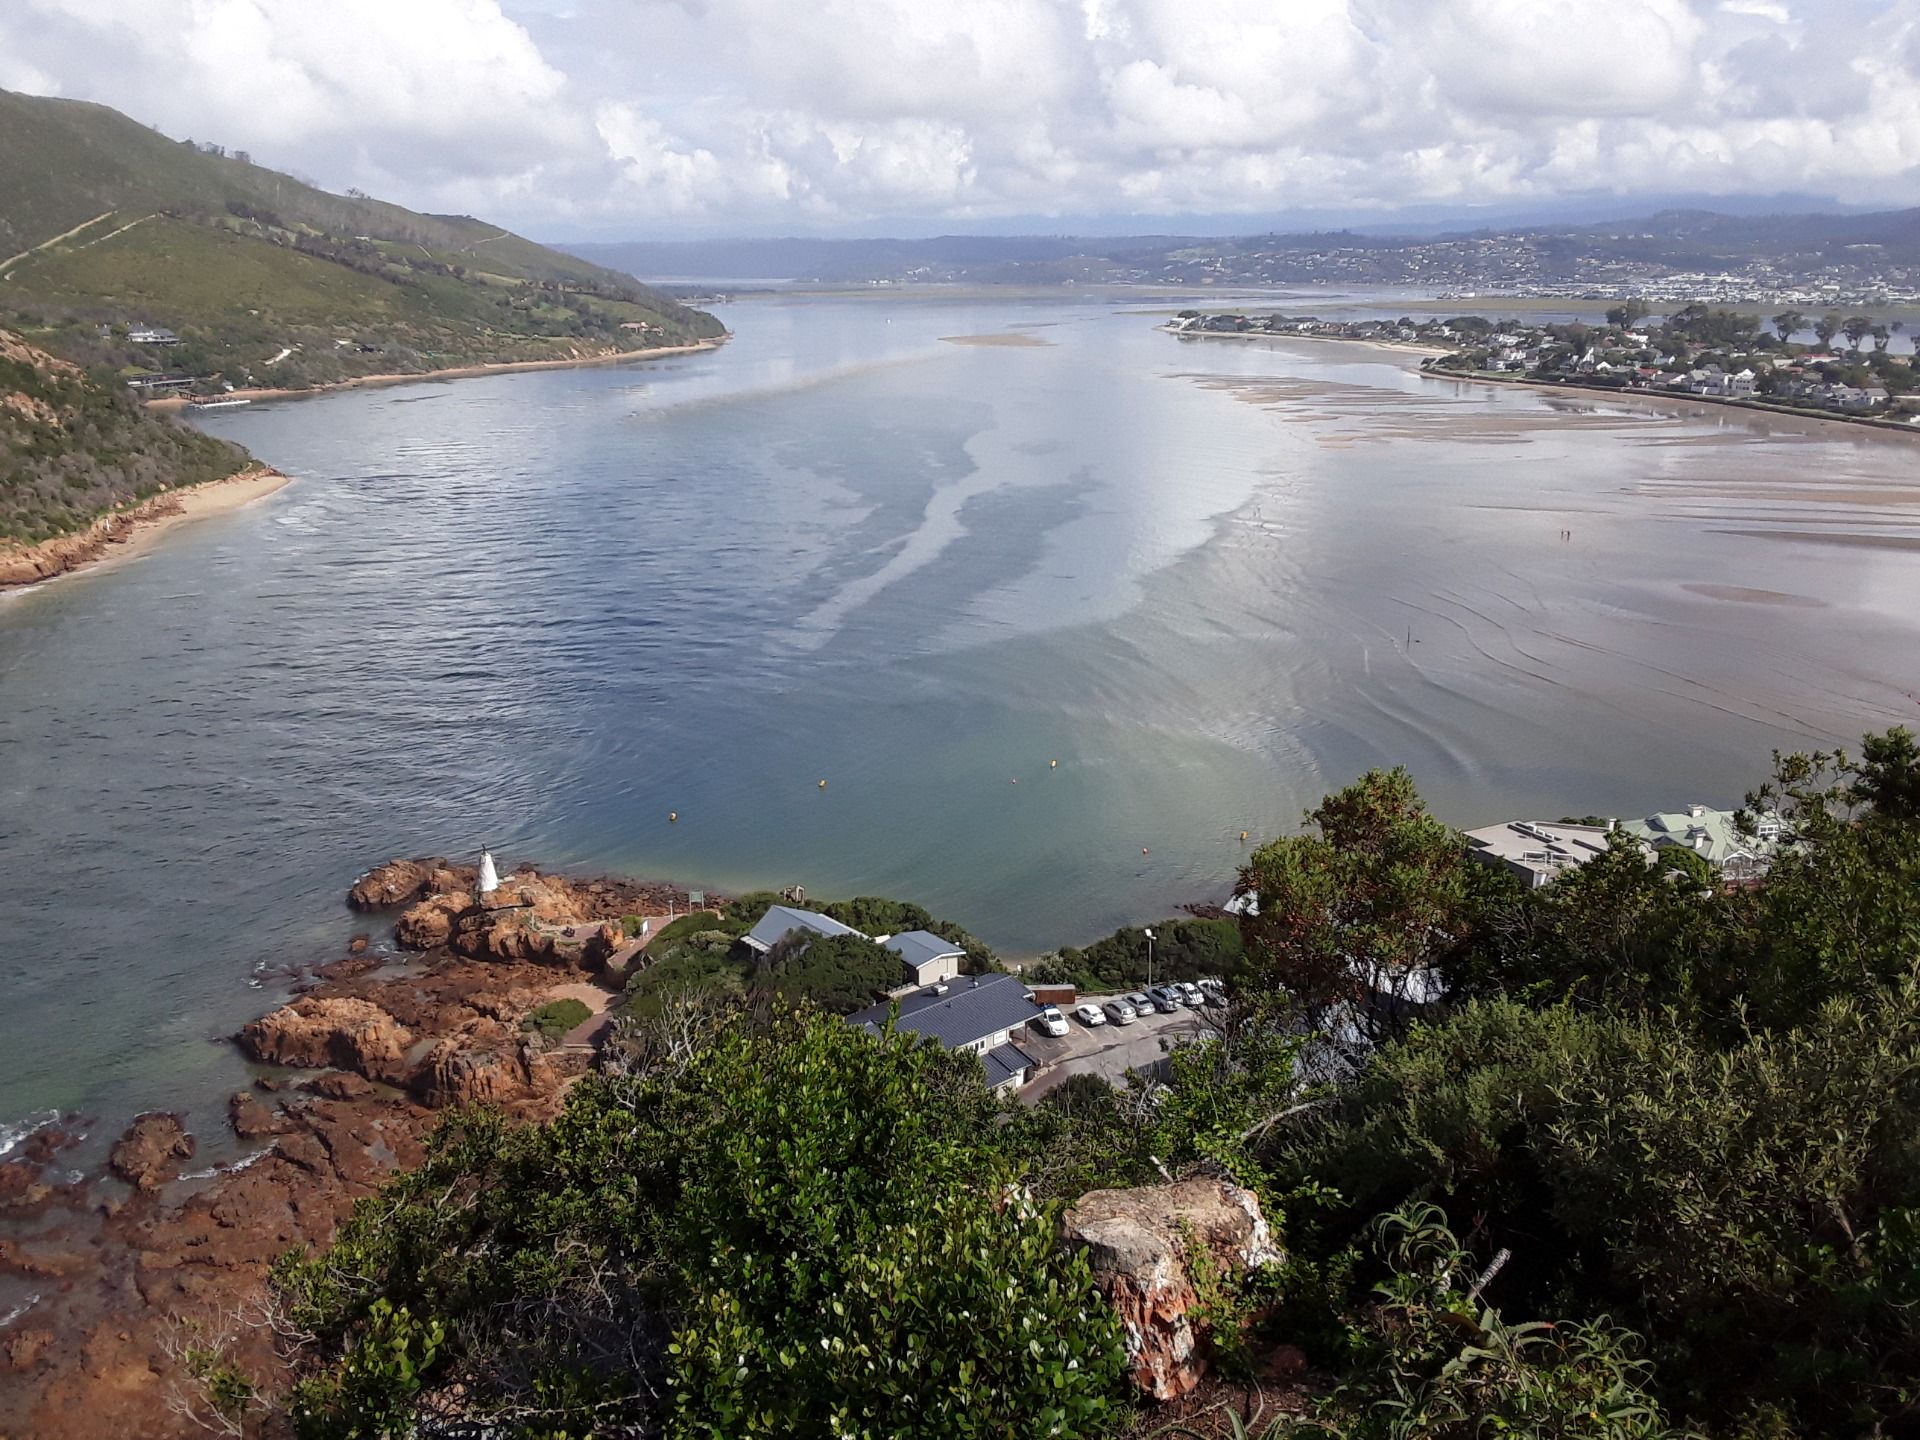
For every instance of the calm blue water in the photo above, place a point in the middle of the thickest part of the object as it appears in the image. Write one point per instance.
(540, 611)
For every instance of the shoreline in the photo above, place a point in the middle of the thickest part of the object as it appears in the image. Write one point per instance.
(452, 372)
(121, 534)
(1564, 387)
(1659, 398)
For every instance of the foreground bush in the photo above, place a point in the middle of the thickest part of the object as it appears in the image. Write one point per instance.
(800, 1232)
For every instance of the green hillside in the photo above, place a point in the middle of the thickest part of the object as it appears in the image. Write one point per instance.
(73, 445)
(107, 225)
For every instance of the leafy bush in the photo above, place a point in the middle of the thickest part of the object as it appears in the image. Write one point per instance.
(839, 973)
(557, 1017)
(803, 1231)
(1183, 950)
(1434, 1362)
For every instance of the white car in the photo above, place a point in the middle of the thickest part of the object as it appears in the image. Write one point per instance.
(1090, 1015)
(1119, 1011)
(1190, 992)
(1051, 1021)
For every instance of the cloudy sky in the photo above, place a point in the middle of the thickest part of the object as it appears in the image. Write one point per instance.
(639, 118)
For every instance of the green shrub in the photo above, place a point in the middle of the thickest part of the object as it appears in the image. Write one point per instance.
(557, 1017)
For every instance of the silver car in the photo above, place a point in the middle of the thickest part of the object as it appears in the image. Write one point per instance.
(1120, 1012)
(1142, 1003)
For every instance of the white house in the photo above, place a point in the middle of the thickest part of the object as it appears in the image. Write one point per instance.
(929, 958)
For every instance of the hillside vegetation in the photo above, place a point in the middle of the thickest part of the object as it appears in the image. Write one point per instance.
(1678, 1117)
(107, 225)
(73, 446)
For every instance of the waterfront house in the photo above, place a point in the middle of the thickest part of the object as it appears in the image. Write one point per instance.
(152, 335)
(928, 958)
(1537, 851)
(1716, 837)
(781, 921)
(978, 1014)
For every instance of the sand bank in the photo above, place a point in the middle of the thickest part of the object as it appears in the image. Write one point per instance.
(117, 536)
(456, 372)
(1013, 338)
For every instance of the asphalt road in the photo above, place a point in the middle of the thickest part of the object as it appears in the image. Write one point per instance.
(1108, 1051)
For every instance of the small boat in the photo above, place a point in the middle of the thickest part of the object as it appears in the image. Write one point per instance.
(218, 402)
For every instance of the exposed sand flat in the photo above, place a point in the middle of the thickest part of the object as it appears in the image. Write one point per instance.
(1746, 596)
(1832, 537)
(1015, 339)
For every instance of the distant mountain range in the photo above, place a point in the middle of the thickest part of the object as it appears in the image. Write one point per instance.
(107, 226)
(1779, 250)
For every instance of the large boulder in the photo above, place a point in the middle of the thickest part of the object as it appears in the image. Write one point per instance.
(149, 1153)
(1141, 1244)
(454, 1075)
(394, 883)
(318, 1034)
(432, 922)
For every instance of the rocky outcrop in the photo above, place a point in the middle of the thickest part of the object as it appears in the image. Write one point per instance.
(249, 1118)
(317, 1033)
(1141, 1244)
(149, 1153)
(431, 922)
(454, 1075)
(395, 883)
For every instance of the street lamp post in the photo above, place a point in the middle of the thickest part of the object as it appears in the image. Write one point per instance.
(1149, 957)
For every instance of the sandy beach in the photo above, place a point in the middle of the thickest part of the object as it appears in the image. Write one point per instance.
(457, 372)
(123, 534)
(1011, 339)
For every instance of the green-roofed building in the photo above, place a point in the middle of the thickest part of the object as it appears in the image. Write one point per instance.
(1715, 836)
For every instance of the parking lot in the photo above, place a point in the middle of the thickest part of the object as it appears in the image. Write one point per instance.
(1108, 1051)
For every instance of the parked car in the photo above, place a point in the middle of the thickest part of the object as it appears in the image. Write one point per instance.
(1190, 993)
(1214, 990)
(1051, 1020)
(1167, 998)
(1142, 1003)
(1119, 1011)
(1090, 1015)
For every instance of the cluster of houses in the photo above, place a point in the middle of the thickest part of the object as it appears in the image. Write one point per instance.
(979, 1014)
(1540, 851)
(1623, 357)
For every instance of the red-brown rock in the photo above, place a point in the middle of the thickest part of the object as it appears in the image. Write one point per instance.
(432, 921)
(317, 1033)
(1137, 1244)
(454, 1075)
(340, 1085)
(394, 883)
(21, 1349)
(249, 1118)
(149, 1153)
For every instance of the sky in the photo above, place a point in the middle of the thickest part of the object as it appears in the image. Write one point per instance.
(574, 119)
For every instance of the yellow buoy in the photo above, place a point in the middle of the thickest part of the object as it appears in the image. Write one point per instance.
(823, 784)
(1143, 849)
(1053, 764)
(1243, 835)
(673, 815)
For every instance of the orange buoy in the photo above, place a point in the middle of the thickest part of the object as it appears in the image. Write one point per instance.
(1143, 849)
(1243, 837)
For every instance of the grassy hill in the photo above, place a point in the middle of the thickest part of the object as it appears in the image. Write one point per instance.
(73, 445)
(106, 225)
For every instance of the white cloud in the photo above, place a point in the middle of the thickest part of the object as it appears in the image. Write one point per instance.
(636, 116)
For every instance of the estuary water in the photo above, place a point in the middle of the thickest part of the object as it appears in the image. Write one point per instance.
(1057, 605)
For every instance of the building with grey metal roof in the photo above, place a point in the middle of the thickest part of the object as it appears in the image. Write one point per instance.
(781, 921)
(929, 958)
(978, 1014)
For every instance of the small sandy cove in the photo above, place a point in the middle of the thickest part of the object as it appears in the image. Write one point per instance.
(117, 536)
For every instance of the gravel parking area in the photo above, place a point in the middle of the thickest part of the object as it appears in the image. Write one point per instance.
(1108, 1051)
